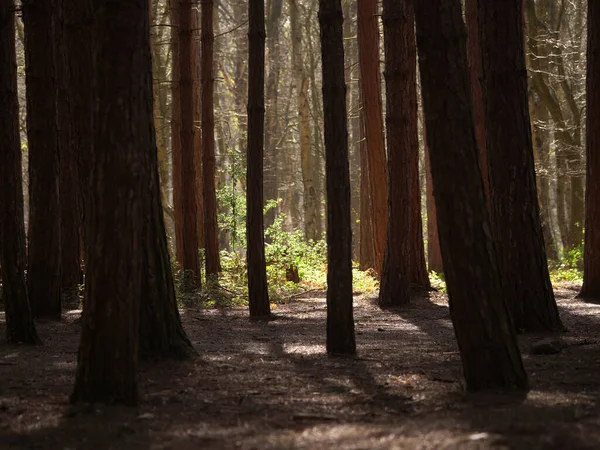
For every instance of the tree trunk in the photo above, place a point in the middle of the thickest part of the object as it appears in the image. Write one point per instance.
(306, 155)
(78, 36)
(176, 132)
(513, 194)
(273, 26)
(403, 146)
(208, 143)
(258, 294)
(367, 242)
(370, 82)
(475, 76)
(434, 253)
(19, 321)
(69, 178)
(591, 256)
(107, 361)
(44, 265)
(340, 321)
(488, 347)
(191, 261)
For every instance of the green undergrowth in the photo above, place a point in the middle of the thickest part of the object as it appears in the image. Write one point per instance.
(568, 269)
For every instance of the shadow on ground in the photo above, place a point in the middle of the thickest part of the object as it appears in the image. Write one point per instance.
(271, 385)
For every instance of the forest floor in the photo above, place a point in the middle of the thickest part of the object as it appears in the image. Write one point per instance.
(270, 385)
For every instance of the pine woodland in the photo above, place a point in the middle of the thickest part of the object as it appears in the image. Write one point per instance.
(299, 224)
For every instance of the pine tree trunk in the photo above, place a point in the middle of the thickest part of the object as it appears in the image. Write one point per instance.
(191, 261)
(402, 139)
(475, 76)
(208, 143)
(258, 294)
(176, 132)
(69, 178)
(107, 361)
(370, 82)
(340, 321)
(273, 28)
(434, 253)
(306, 155)
(513, 195)
(487, 343)
(591, 256)
(367, 242)
(44, 249)
(78, 36)
(19, 322)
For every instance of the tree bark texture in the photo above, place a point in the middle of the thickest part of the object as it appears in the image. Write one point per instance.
(70, 203)
(513, 193)
(108, 353)
(591, 256)
(211, 237)
(19, 321)
(176, 165)
(434, 253)
(191, 261)
(340, 321)
(403, 146)
(272, 129)
(258, 294)
(370, 85)
(44, 249)
(367, 242)
(310, 207)
(160, 331)
(475, 75)
(78, 36)
(486, 339)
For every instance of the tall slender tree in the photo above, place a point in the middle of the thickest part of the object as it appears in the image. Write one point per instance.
(370, 85)
(191, 262)
(19, 321)
(340, 321)
(486, 339)
(70, 213)
(107, 361)
(78, 37)
(403, 145)
(513, 194)
(44, 249)
(211, 236)
(176, 164)
(258, 294)
(308, 164)
(591, 252)
(434, 253)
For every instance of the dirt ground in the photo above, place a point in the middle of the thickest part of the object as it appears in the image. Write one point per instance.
(270, 385)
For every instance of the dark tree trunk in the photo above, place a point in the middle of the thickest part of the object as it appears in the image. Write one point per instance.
(403, 144)
(176, 133)
(44, 249)
(78, 36)
(191, 262)
(591, 255)
(107, 361)
(513, 194)
(434, 253)
(211, 237)
(19, 321)
(486, 339)
(370, 86)
(258, 294)
(69, 175)
(340, 321)
(475, 75)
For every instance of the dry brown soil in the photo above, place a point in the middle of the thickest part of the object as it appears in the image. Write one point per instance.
(270, 385)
